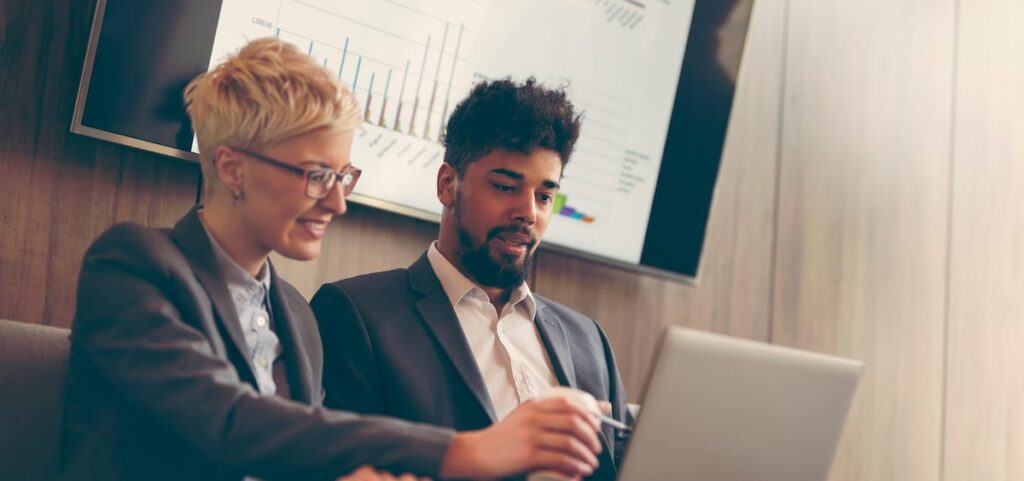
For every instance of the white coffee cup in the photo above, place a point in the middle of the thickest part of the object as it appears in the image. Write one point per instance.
(580, 398)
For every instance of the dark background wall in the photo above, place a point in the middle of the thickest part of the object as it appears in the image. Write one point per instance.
(59, 190)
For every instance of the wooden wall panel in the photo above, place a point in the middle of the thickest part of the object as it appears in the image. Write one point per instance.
(733, 293)
(363, 240)
(864, 180)
(58, 191)
(985, 385)
(843, 244)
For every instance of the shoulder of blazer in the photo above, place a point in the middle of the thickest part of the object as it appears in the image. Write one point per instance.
(564, 314)
(570, 319)
(375, 285)
(290, 291)
(136, 247)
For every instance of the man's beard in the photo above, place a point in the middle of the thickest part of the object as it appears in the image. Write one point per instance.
(476, 260)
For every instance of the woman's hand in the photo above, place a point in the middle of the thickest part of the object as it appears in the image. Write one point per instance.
(368, 473)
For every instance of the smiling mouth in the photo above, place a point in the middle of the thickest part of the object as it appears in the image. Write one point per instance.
(513, 244)
(316, 224)
(313, 229)
(515, 239)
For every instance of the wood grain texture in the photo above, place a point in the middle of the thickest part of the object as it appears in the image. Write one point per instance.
(59, 190)
(361, 241)
(985, 387)
(861, 257)
(853, 262)
(733, 292)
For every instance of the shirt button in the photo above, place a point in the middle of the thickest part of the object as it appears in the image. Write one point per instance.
(263, 362)
(261, 321)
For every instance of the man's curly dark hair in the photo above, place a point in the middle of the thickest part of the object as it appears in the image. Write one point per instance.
(517, 117)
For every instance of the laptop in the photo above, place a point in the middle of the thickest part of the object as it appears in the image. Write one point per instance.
(724, 409)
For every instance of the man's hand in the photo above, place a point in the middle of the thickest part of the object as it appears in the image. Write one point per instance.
(553, 434)
(368, 473)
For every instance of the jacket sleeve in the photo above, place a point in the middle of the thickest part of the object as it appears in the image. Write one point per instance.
(128, 325)
(351, 377)
(617, 398)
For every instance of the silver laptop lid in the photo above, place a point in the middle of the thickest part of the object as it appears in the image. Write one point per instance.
(726, 409)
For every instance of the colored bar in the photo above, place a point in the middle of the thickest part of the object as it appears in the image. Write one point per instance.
(401, 95)
(344, 52)
(437, 73)
(355, 80)
(559, 203)
(560, 208)
(384, 102)
(419, 83)
(369, 96)
(451, 78)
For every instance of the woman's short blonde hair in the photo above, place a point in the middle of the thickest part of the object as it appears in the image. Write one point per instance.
(267, 93)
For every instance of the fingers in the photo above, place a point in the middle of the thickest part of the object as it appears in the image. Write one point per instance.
(574, 426)
(411, 477)
(564, 416)
(606, 407)
(568, 445)
(565, 406)
(565, 464)
(363, 473)
(369, 473)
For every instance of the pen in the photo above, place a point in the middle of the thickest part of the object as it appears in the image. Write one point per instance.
(615, 423)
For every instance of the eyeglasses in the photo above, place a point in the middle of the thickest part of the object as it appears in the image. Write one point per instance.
(320, 180)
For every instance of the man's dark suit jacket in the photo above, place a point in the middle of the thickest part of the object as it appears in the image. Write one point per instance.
(159, 387)
(394, 346)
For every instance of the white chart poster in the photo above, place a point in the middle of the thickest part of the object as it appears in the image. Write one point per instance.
(411, 61)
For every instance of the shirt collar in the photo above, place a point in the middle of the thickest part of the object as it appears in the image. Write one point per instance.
(457, 286)
(240, 282)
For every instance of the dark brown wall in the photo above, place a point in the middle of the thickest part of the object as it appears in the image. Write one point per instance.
(58, 191)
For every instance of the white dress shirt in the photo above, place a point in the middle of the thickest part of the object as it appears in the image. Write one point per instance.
(507, 347)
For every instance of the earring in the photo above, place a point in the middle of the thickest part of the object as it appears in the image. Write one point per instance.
(237, 194)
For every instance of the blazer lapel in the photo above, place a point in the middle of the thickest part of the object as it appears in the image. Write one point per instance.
(191, 236)
(439, 316)
(556, 343)
(300, 372)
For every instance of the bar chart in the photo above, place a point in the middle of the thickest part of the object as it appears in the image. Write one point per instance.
(409, 62)
(563, 209)
(425, 112)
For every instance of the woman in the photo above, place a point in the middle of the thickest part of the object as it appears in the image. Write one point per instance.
(190, 358)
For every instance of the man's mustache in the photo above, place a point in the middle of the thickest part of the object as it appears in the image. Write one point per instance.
(513, 229)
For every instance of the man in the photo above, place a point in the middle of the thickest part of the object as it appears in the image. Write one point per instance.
(458, 339)
(192, 360)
